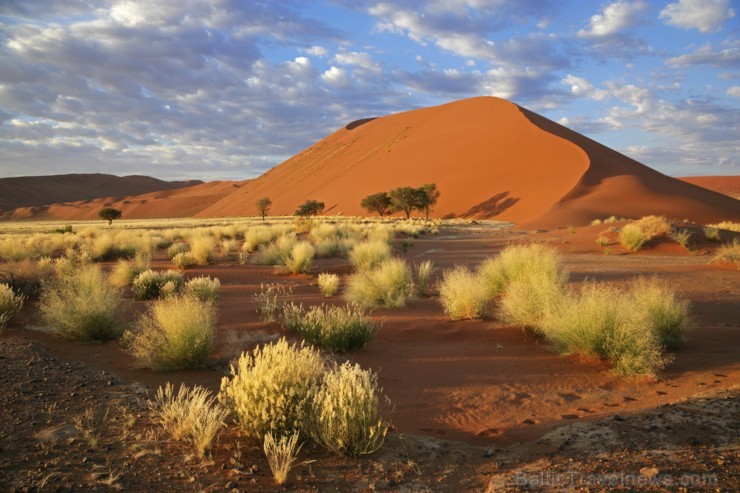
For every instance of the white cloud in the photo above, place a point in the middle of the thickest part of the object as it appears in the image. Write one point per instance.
(705, 15)
(581, 87)
(336, 76)
(706, 55)
(615, 18)
(734, 91)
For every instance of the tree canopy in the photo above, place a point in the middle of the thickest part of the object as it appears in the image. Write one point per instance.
(378, 202)
(109, 214)
(310, 208)
(263, 206)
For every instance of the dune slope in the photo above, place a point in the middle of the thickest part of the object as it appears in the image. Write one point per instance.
(727, 185)
(490, 158)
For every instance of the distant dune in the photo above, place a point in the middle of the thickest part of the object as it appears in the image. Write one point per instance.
(727, 185)
(490, 158)
(35, 191)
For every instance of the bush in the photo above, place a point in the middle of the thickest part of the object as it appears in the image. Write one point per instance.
(712, 233)
(270, 390)
(337, 329)
(521, 262)
(389, 285)
(229, 249)
(83, 306)
(281, 455)
(682, 237)
(176, 248)
(201, 249)
(632, 237)
(463, 294)
(729, 253)
(528, 300)
(658, 308)
(191, 415)
(328, 284)
(126, 271)
(300, 258)
(654, 226)
(424, 272)
(176, 333)
(149, 284)
(346, 415)
(727, 226)
(369, 255)
(183, 260)
(10, 304)
(204, 289)
(602, 240)
(274, 253)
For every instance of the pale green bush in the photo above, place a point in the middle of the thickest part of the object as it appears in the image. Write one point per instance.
(346, 415)
(82, 306)
(528, 300)
(201, 249)
(192, 415)
(177, 248)
(389, 285)
(328, 284)
(270, 390)
(368, 255)
(10, 304)
(463, 294)
(229, 249)
(274, 253)
(300, 259)
(521, 262)
(632, 237)
(203, 288)
(658, 308)
(183, 260)
(712, 234)
(281, 455)
(175, 333)
(125, 271)
(337, 329)
(424, 272)
(148, 285)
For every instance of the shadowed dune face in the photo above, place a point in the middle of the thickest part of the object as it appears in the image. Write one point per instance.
(489, 158)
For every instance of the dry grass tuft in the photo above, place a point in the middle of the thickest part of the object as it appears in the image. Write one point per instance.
(328, 284)
(463, 294)
(389, 285)
(281, 455)
(10, 304)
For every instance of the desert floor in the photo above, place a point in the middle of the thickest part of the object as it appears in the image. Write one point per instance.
(478, 405)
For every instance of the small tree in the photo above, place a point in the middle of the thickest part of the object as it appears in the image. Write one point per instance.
(428, 195)
(109, 214)
(378, 202)
(405, 199)
(263, 206)
(310, 208)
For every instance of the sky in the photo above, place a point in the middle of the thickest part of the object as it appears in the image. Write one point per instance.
(227, 89)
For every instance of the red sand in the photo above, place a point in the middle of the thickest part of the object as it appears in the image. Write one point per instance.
(490, 158)
(728, 185)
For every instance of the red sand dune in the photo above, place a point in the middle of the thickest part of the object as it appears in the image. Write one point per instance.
(727, 185)
(490, 158)
(34, 191)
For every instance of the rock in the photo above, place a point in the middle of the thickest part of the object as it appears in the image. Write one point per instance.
(649, 472)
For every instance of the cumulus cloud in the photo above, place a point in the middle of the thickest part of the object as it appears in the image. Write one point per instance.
(615, 18)
(726, 57)
(583, 88)
(704, 15)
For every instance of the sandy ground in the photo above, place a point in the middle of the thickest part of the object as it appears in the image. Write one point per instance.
(477, 403)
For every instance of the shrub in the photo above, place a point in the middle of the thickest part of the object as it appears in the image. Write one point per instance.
(300, 258)
(203, 288)
(183, 260)
(281, 455)
(149, 284)
(389, 285)
(520, 262)
(463, 294)
(658, 308)
(682, 237)
(26, 277)
(712, 233)
(337, 329)
(424, 272)
(176, 248)
(602, 240)
(653, 226)
(368, 255)
(201, 249)
(10, 304)
(270, 390)
(596, 222)
(274, 253)
(126, 271)
(269, 302)
(346, 415)
(83, 306)
(727, 226)
(229, 249)
(729, 253)
(632, 237)
(528, 300)
(192, 415)
(328, 284)
(176, 333)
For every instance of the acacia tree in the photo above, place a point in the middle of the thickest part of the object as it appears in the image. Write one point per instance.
(405, 199)
(428, 195)
(378, 202)
(310, 208)
(263, 206)
(109, 214)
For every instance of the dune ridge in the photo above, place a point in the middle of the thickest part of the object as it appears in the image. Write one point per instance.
(490, 158)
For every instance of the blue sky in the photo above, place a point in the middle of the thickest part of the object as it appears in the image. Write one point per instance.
(226, 89)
